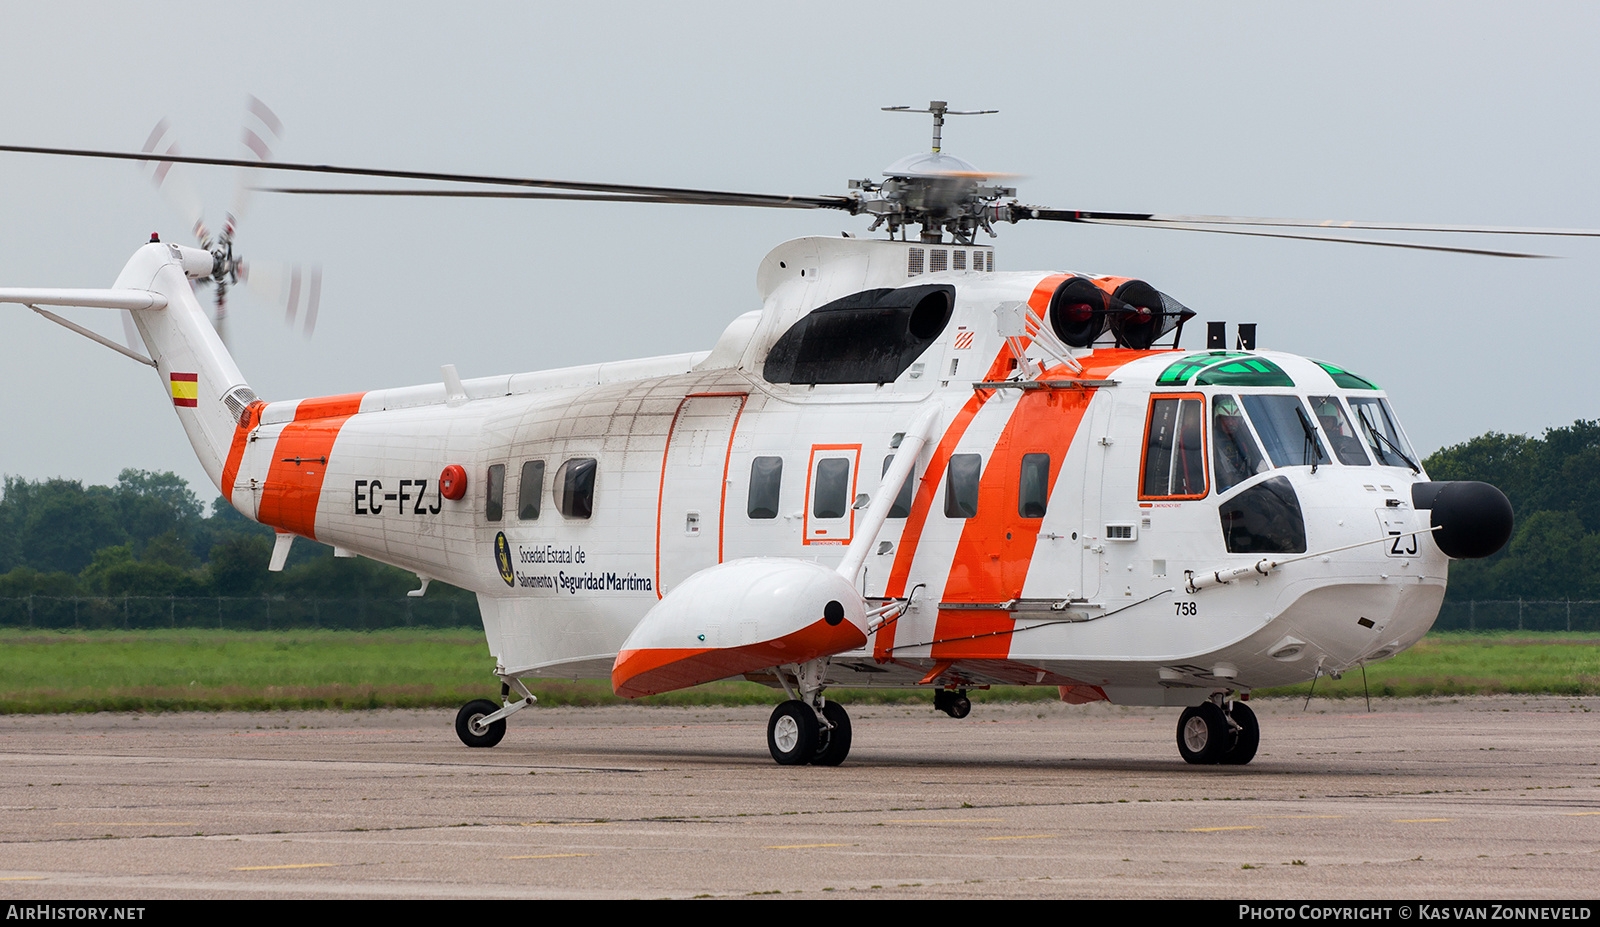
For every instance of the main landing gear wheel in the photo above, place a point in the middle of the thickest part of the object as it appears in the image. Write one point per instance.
(472, 731)
(1203, 734)
(1249, 736)
(792, 733)
(833, 744)
(955, 704)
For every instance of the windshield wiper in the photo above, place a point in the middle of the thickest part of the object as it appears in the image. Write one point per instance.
(1313, 448)
(1373, 432)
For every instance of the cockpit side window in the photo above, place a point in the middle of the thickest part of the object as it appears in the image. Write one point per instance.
(1238, 456)
(1175, 449)
(1335, 426)
(1285, 429)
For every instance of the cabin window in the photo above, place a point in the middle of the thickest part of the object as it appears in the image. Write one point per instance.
(766, 478)
(1238, 456)
(1335, 428)
(902, 500)
(830, 495)
(494, 504)
(961, 485)
(1033, 488)
(530, 490)
(1285, 429)
(574, 487)
(1175, 449)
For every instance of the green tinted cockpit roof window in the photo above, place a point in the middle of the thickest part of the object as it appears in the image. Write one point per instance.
(1180, 372)
(1344, 378)
(1245, 371)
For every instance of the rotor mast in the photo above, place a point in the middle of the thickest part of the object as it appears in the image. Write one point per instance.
(940, 192)
(939, 109)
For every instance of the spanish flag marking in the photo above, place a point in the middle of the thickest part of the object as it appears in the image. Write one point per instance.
(186, 389)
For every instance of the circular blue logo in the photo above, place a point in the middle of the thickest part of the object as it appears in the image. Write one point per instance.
(502, 558)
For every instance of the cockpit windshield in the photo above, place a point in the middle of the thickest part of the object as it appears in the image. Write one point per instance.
(1381, 433)
(1238, 457)
(1285, 429)
(1335, 427)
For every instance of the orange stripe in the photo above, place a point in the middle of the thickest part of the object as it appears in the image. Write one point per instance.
(996, 546)
(241, 437)
(1043, 421)
(300, 463)
(653, 670)
(928, 487)
(328, 406)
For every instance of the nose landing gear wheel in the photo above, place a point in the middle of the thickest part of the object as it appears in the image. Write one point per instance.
(792, 733)
(1244, 747)
(833, 745)
(1203, 734)
(470, 729)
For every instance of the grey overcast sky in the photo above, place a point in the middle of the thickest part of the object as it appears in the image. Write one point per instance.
(1449, 112)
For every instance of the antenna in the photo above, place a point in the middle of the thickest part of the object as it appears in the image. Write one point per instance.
(939, 109)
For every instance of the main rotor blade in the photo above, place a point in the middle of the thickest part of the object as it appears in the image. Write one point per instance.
(685, 194)
(1071, 215)
(1136, 223)
(732, 199)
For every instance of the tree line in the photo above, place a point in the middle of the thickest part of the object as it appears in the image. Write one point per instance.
(1553, 482)
(149, 534)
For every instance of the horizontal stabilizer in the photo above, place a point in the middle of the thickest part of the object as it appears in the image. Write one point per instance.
(87, 298)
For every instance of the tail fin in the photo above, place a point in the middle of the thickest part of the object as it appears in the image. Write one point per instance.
(202, 382)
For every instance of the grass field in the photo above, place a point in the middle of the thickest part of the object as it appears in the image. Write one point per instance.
(43, 672)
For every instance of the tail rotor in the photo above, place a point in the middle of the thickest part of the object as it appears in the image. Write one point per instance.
(297, 290)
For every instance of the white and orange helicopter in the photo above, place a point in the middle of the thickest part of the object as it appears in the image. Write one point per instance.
(907, 468)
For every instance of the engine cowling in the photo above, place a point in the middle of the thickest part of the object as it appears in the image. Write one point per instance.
(739, 617)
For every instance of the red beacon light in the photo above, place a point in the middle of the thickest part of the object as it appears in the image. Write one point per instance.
(453, 482)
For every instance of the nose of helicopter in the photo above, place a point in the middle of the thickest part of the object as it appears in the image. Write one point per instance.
(1472, 519)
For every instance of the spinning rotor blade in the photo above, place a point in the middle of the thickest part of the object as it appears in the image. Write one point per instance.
(1155, 220)
(732, 199)
(175, 188)
(1185, 227)
(648, 193)
(979, 212)
(294, 288)
(262, 130)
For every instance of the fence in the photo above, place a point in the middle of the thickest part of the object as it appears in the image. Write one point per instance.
(253, 613)
(267, 613)
(1519, 615)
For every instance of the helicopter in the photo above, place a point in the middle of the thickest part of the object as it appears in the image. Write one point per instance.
(909, 468)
